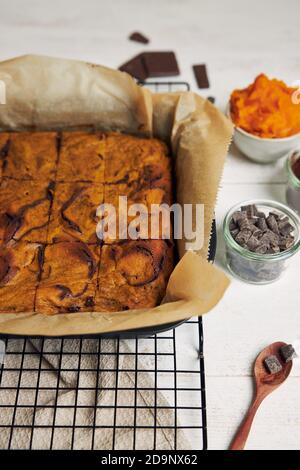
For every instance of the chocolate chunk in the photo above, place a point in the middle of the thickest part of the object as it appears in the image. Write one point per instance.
(232, 225)
(273, 249)
(285, 243)
(160, 64)
(234, 232)
(251, 210)
(212, 99)
(243, 223)
(269, 237)
(272, 223)
(277, 217)
(252, 243)
(262, 224)
(200, 73)
(285, 228)
(257, 233)
(138, 37)
(287, 352)
(135, 67)
(243, 236)
(262, 249)
(238, 215)
(272, 364)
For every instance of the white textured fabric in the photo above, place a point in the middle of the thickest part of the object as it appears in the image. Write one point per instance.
(95, 406)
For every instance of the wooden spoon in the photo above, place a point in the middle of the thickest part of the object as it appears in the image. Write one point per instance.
(265, 383)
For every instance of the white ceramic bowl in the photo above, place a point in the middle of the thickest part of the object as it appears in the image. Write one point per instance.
(263, 150)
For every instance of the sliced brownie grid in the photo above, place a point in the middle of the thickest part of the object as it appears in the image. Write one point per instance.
(50, 189)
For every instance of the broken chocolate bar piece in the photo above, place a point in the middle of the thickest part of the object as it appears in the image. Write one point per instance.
(160, 64)
(200, 73)
(138, 37)
(287, 352)
(135, 67)
(272, 364)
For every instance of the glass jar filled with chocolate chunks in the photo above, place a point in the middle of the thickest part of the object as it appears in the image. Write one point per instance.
(260, 237)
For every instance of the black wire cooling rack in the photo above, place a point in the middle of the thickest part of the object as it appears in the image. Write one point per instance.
(93, 393)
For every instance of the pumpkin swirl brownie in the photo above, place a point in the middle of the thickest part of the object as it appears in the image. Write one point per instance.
(24, 210)
(74, 211)
(69, 278)
(19, 275)
(141, 192)
(31, 156)
(133, 274)
(130, 158)
(81, 157)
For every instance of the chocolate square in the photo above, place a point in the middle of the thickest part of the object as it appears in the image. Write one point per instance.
(160, 64)
(135, 67)
(201, 75)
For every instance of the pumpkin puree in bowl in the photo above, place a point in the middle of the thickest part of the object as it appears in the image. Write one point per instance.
(267, 108)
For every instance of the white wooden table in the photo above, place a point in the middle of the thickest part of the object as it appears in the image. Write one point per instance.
(237, 40)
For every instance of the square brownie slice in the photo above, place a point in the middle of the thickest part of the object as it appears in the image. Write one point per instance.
(74, 211)
(20, 264)
(135, 204)
(31, 156)
(81, 157)
(69, 278)
(129, 158)
(24, 210)
(4, 145)
(133, 275)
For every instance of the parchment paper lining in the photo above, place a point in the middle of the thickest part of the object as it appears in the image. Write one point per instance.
(47, 93)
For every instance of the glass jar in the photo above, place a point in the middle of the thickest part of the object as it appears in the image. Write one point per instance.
(293, 183)
(258, 268)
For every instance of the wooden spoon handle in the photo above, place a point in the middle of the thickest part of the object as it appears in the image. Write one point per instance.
(242, 434)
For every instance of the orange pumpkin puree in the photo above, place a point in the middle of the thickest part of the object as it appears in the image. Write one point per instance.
(265, 108)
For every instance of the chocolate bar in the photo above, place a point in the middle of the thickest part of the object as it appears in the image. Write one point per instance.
(200, 73)
(160, 64)
(135, 67)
